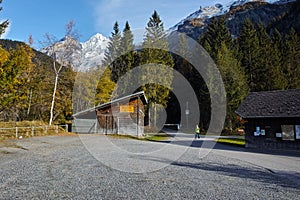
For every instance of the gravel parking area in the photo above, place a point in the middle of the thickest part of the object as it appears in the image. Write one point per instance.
(63, 167)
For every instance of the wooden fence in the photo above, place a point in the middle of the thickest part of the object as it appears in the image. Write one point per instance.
(23, 132)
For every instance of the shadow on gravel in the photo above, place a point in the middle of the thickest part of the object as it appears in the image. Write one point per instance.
(219, 146)
(246, 173)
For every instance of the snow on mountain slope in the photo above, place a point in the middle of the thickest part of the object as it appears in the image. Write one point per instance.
(219, 9)
(93, 51)
(82, 56)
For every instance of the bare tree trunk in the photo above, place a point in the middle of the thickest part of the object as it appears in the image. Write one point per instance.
(66, 50)
(149, 115)
(155, 116)
(53, 99)
(29, 106)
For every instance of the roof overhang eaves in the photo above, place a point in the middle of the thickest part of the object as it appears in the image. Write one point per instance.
(93, 109)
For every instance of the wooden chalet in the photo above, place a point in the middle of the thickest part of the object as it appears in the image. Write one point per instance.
(120, 116)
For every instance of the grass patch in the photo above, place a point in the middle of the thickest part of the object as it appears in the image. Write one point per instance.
(118, 136)
(157, 137)
(232, 141)
(149, 137)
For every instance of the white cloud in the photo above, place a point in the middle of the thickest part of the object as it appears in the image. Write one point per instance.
(7, 30)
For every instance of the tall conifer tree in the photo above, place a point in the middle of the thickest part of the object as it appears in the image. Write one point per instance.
(113, 52)
(277, 77)
(216, 34)
(155, 41)
(235, 82)
(219, 44)
(127, 59)
(292, 59)
(249, 49)
(264, 70)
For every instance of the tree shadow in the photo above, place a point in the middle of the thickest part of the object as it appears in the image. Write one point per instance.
(220, 146)
(256, 174)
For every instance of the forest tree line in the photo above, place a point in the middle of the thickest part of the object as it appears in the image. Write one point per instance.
(256, 60)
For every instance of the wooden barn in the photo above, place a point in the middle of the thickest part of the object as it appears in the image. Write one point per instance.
(121, 116)
(272, 119)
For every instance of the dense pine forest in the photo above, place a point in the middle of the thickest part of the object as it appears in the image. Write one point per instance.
(255, 60)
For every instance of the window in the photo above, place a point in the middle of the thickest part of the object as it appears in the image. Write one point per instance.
(297, 128)
(288, 132)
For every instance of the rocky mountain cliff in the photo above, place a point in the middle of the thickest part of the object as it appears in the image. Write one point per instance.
(282, 15)
(81, 56)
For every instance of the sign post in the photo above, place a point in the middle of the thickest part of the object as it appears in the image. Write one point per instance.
(187, 112)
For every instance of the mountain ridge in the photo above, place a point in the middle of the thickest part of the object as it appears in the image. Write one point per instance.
(272, 13)
(268, 12)
(83, 55)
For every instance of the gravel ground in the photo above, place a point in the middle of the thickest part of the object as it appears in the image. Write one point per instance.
(71, 168)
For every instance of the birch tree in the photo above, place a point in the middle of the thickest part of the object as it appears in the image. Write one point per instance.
(60, 51)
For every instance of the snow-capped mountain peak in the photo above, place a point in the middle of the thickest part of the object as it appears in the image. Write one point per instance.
(81, 56)
(93, 51)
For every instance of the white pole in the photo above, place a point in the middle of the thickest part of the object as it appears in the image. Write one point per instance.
(118, 125)
(16, 132)
(32, 131)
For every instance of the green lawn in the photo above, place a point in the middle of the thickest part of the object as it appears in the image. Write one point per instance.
(149, 137)
(232, 141)
(157, 137)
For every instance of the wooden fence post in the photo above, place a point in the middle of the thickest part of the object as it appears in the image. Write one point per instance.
(32, 131)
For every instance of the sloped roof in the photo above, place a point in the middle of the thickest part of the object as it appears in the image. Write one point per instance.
(271, 104)
(122, 99)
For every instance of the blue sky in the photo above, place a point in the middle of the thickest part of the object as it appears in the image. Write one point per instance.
(38, 17)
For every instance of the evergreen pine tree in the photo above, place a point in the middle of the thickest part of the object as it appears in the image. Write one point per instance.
(127, 60)
(264, 68)
(235, 82)
(216, 34)
(153, 54)
(181, 64)
(277, 77)
(292, 60)
(249, 49)
(113, 52)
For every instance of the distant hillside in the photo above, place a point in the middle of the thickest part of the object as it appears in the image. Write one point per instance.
(38, 58)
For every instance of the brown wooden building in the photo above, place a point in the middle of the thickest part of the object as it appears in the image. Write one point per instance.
(121, 116)
(272, 119)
